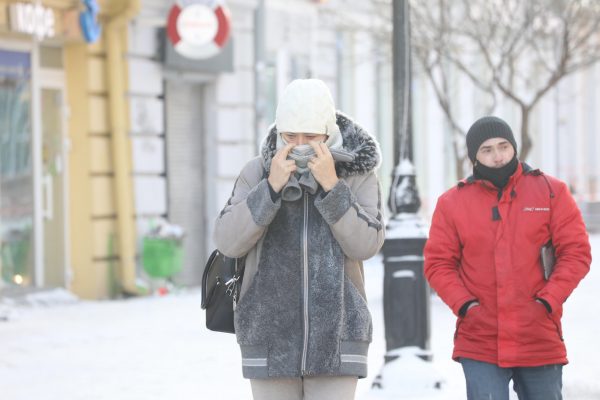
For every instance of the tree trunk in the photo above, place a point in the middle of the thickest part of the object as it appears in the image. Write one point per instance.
(526, 142)
(460, 161)
(458, 166)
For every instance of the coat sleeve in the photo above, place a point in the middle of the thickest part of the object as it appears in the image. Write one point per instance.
(442, 259)
(572, 248)
(355, 216)
(247, 214)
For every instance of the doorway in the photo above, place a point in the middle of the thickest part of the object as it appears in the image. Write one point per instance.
(33, 170)
(186, 166)
(53, 183)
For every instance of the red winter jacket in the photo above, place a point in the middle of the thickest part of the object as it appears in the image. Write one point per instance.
(476, 253)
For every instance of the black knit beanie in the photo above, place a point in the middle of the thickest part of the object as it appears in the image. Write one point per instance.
(486, 128)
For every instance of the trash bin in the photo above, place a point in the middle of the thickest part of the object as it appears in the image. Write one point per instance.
(162, 250)
(15, 257)
(405, 290)
(161, 257)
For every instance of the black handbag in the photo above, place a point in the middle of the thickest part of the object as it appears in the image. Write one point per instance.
(221, 283)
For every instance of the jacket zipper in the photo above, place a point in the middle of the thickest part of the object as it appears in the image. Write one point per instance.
(305, 282)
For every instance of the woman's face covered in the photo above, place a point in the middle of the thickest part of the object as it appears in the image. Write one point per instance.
(302, 152)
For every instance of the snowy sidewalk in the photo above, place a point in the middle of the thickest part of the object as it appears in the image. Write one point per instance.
(157, 348)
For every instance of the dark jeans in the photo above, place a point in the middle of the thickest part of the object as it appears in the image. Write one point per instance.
(490, 382)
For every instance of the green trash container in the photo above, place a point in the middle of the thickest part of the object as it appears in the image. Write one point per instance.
(14, 252)
(161, 257)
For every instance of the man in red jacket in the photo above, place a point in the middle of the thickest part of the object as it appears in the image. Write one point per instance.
(483, 260)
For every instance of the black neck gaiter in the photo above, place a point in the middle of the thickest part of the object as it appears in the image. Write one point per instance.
(498, 176)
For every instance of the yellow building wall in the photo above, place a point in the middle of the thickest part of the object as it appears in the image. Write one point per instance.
(94, 246)
(86, 282)
(3, 17)
(90, 188)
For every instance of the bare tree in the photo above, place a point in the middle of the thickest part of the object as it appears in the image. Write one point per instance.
(507, 49)
(515, 49)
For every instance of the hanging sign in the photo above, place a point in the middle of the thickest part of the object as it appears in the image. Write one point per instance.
(199, 29)
(88, 20)
(32, 19)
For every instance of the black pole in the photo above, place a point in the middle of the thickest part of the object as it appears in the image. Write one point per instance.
(404, 195)
(401, 75)
(405, 292)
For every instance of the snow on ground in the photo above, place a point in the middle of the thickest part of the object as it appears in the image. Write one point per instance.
(56, 347)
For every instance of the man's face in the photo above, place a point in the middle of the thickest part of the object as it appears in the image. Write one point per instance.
(303, 138)
(495, 153)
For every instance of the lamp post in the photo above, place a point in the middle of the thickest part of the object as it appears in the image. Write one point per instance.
(405, 291)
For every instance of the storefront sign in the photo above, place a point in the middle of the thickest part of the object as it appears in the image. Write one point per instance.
(32, 19)
(198, 30)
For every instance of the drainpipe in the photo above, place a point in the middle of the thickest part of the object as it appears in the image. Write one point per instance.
(120, 144)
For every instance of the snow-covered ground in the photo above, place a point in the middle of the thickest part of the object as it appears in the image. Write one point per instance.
(157, 348)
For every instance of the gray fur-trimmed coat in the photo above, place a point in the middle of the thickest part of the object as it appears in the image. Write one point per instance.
(302, 309)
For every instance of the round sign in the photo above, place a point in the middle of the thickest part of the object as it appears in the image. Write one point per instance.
(198, 31)
(197, 24)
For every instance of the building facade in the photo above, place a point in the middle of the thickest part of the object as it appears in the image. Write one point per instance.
(57, 177)
(103, 139)
(106, 130)
(196, 123)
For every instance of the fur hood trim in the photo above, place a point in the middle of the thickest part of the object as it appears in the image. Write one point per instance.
(357, 141)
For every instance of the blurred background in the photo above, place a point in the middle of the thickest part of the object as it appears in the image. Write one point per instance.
(116, 116)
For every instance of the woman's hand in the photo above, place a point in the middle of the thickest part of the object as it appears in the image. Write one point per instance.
(323, 166)
(281, 168)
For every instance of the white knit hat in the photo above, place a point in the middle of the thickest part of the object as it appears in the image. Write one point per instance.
(306, 106)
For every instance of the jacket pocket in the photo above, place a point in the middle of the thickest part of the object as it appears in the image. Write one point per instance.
(247, 318)
(538, 324)
(249, 291)
(357, 317)
(557, 326)
(468, 320)
(459, 322)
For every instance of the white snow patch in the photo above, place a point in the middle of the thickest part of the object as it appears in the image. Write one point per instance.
(408, 377)
(406, 225)
(48, 298)
(405, 168)
(156, 348)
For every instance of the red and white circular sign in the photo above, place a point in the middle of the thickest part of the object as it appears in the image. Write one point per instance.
(198, 30)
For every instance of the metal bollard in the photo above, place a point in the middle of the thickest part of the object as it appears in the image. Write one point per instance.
(405, 291)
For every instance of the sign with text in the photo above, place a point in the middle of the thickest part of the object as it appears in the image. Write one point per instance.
(32, 19)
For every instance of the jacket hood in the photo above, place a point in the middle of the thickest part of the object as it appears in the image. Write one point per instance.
(356, 140)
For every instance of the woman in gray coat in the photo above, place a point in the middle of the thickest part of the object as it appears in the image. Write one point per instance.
(305, 213)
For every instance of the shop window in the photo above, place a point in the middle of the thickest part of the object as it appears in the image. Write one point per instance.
(16, 180)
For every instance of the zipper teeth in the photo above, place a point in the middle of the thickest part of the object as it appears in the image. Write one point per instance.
(305, 286)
